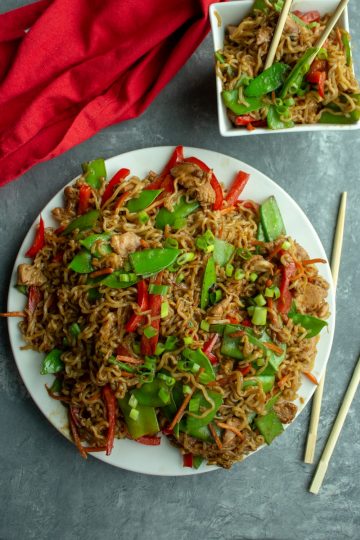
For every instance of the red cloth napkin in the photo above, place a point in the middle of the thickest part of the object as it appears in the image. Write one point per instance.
(85, 65)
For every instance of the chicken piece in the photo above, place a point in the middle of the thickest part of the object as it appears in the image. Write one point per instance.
(219, 311)
(311, 298)
(258, 264)
(125, 243)
(28, 274)
(286, 411)
(196, 181)
(229, 437)
(264, 35)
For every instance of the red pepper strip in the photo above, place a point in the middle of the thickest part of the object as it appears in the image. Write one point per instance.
(237, 187)
(219, 196)
(58, 257)
(176, 157)
(110, 402)
(149, 441)
(259, 123)
(168, 184)
(188, 460)
(148, 345)
(309, 16)
(284, 302)
(34, 298)
(60, 229)
(75, 434)
(39, 240)
(143, 301)
(245, 370)
(84, 197)
(246, 322)
(244, 120)
(233, 320)
(213, 359)
(114, 182)
(250, 127)
(318, 65)
(319, 78)
(208, 347)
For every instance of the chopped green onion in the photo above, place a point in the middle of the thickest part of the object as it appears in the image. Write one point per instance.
(126, 277)
(185, 257)
(289, 102)
(164, 395)
(112, 360)
(215, 296)
(143, 217)
(195, 367)
(170, 343)
(260, 362)
(171, 243)
(150, 332)
(250, 310)
(136, 347)
(180, 278)
(160, 348)
(204, 325)
(146, 377)
(150, 362)
(260, 300)
(253, 276)
(259, 316)
(269, 292)
(170, 381)
(239, 274)
(244, 253)
(206, 241)
(277, 292)
(194, 404)
(158, 289)
(133, 402)
(74, 329)
(173, 268)
(184, 365)
(186, 389)
(229, 269)
(219, 57)
(322, 54)
(188, 340)
(210, 249)
(286, 245)
(134, 414)
(164, 312)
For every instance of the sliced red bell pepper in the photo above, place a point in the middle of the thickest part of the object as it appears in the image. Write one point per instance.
(110, 402)
(162, 180)
(143, 301)
(208, 347)
(148, 440)
(319, 78)
(148, 345)
(245, 370)
(285, 300)
(237, 187)
(176, 157)
(33, 298)
(246, 322)
(188, 460)
(219, 196)
(318, 65)
(39, 240)
(114, 182)
(84, 197)
(244, 120)
(232, 320)
(309, 16)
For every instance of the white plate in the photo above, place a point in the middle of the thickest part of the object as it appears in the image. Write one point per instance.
(164, 459)
(233, 13)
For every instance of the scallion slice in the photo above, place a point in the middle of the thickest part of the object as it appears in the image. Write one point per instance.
(150, 332)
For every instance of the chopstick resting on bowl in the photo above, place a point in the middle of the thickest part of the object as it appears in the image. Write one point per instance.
(277, 34)
(335, 266)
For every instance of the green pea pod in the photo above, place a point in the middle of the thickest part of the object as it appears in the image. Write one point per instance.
(271, 219)
(274, 120)
(266, 381)
(271, 402)
(330, 118)
(269, 80)
(52, 362)
(193, 423)
(119, 280)
(269, 426)
(345, 38)
(81, 263)
(296, 76)
(86, 221)
(181, 210)
(200, 358)
(94, 171)
(145, 424)
(152, 261)
(260, 233)
(89, 241)
(209, 280)
(219, 57)
(144, 200)
(274, 360)
(222, 251)
(230, 99)
(148, 393)
(313, 324)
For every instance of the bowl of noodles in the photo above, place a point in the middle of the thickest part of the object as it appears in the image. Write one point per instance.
(306, 89)
(170, 322)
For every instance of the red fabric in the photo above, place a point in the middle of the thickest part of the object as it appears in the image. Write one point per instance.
(85, 65)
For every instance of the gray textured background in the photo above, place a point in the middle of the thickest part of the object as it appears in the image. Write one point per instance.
(48, 491)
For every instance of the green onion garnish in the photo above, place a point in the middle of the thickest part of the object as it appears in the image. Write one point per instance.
(286, 245)
(164, 395)
(185, 257)
(194, 368)
(171, 343)
(277, 292)
(269, 292)
(188, 340)
(150, 363)
(260, 362)
(229, 270)
(134, 414)
(133, 402)
(186, 389)
(244, 253)
(143, 217)
(164, 310)
(204, 325)
(74, 329)
(150, 332)
(194, 404)
(259, 316)
(215, 296)
(253, 276)
(180, 278)
(260, 300)
(239, 274)
(158, 289)
(136, 347)
(160, 348)
(170, 381)
(171, 243)
(250, 310)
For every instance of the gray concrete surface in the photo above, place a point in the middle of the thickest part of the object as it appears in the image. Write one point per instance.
(48, 491)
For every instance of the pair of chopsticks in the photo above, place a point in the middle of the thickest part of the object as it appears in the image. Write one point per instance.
(280, 27)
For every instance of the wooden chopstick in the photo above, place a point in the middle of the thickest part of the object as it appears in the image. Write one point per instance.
(335, 432)
(277, 34)
(331, 23)
(335, 265)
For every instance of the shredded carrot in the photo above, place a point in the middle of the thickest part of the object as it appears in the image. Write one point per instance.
(275, 251)
(144, 243)
(268, 283)
(184, 404)
(121, 200)
(101, 272)
(231, 428)
(257, 243)
(277, 350)
(270, 303)
(282, 381)
(215, 436)
(311, 377)
(220, 232)
(13, 314)
(127, 375)
(313, 261)
(129, 360)
(227, 210)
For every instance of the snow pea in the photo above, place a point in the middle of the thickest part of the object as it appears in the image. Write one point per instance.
(296, 76)
(330, 118)
(274, 120)
(175, 218)
(269, 426)
(81, 263)
(209, 280)
(119, 280)
(94, 171)
(260, 233)
(230, 99)
(145, 424)
(52, 362)
(313, 324)
(267, 382)
(193, 423)
(152, 261)
(200, 358)
(269, 80)
(148, 393)
(222, 251)
(86, 221)
(271, 402)
(345, 38)
(144, 200)
(104, 246)
(271, 219)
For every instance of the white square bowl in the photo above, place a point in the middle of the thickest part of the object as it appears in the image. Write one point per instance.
(232, 13)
